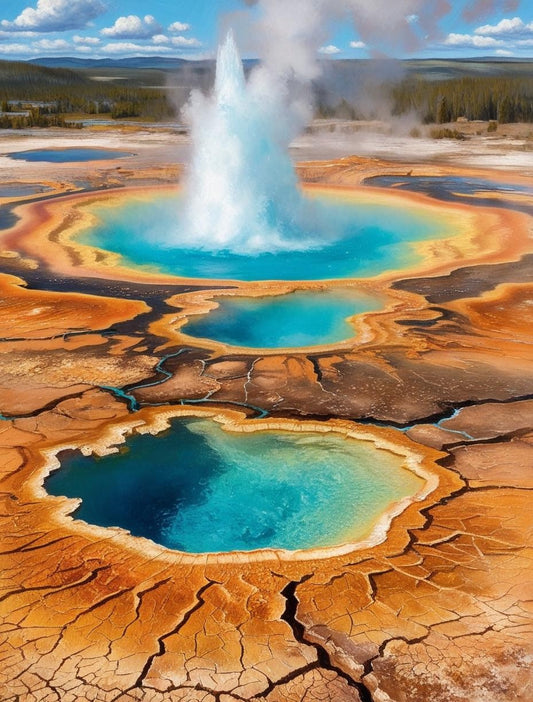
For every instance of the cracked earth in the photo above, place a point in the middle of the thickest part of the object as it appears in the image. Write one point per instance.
(439, 610)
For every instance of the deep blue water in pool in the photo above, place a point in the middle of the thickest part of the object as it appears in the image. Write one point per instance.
(303, 318)
(68, 155)
(8, 218)
(198, 488)
(362, 239)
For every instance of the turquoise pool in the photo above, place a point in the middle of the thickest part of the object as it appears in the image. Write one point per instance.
(198, 488)
(354, 239)
(302, 318)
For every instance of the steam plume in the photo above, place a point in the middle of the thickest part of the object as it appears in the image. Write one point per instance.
(242, 193)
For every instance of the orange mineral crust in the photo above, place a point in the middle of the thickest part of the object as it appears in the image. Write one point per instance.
(433, 606)
(93, 612)
(480, 235)
(55, 345)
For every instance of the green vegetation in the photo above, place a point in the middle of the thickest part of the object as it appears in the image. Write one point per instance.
(445, 133)
(47, 94)
(34, 118)
(485, 98)
(437, 91)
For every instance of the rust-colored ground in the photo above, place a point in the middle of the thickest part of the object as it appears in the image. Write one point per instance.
(438, 611)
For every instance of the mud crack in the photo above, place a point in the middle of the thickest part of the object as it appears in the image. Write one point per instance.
(323, 657)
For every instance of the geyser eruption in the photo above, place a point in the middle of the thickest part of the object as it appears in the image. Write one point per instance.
(242, 193)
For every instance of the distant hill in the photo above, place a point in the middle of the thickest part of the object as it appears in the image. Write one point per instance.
(47, 91)
(447, 69)
(430, 69)
(23, 73)
(154, 62)
(155, 87)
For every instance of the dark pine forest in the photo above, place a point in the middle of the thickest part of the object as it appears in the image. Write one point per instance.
(34, 95)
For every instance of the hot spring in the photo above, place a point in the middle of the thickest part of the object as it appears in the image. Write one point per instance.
(361, 239)
(68, 155)
(241, 214)
(302, 318)
(198, 488)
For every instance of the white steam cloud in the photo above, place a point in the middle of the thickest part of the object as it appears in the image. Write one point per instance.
(241, 193)
(292, 39)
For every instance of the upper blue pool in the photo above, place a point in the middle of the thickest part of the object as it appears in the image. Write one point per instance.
(22, 189)
(360, 239)
(475, 191)
(68, 155)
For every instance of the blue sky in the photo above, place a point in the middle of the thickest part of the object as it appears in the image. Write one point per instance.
(189, 29)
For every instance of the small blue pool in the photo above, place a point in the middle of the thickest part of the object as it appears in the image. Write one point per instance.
(475, 191)
(22, 189)
(303, 318)
(69, 155)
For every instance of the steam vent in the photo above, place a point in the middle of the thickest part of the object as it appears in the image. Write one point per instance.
(265, 354)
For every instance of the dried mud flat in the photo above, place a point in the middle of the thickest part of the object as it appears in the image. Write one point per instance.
(438, 610)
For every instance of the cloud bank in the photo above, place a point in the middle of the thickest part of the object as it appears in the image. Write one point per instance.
(56, 16)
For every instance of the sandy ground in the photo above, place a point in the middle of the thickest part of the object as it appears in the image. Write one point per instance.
(480, 152)
(330, 140)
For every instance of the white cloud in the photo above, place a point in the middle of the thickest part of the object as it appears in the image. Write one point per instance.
(186, 43)
(473, 41)
(133, 27)
(329, 50)
(90, 41)
(128, 47)
(506, 37)
(357, 45)
(505, 26)
(82, 49)
(16, 49)
(51, 44)
(9, 35)
(56, 16)
(160, 39)
(179, 27)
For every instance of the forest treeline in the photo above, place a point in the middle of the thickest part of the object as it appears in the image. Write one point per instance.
(504, 100)
(61, 91)
(34, 95)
